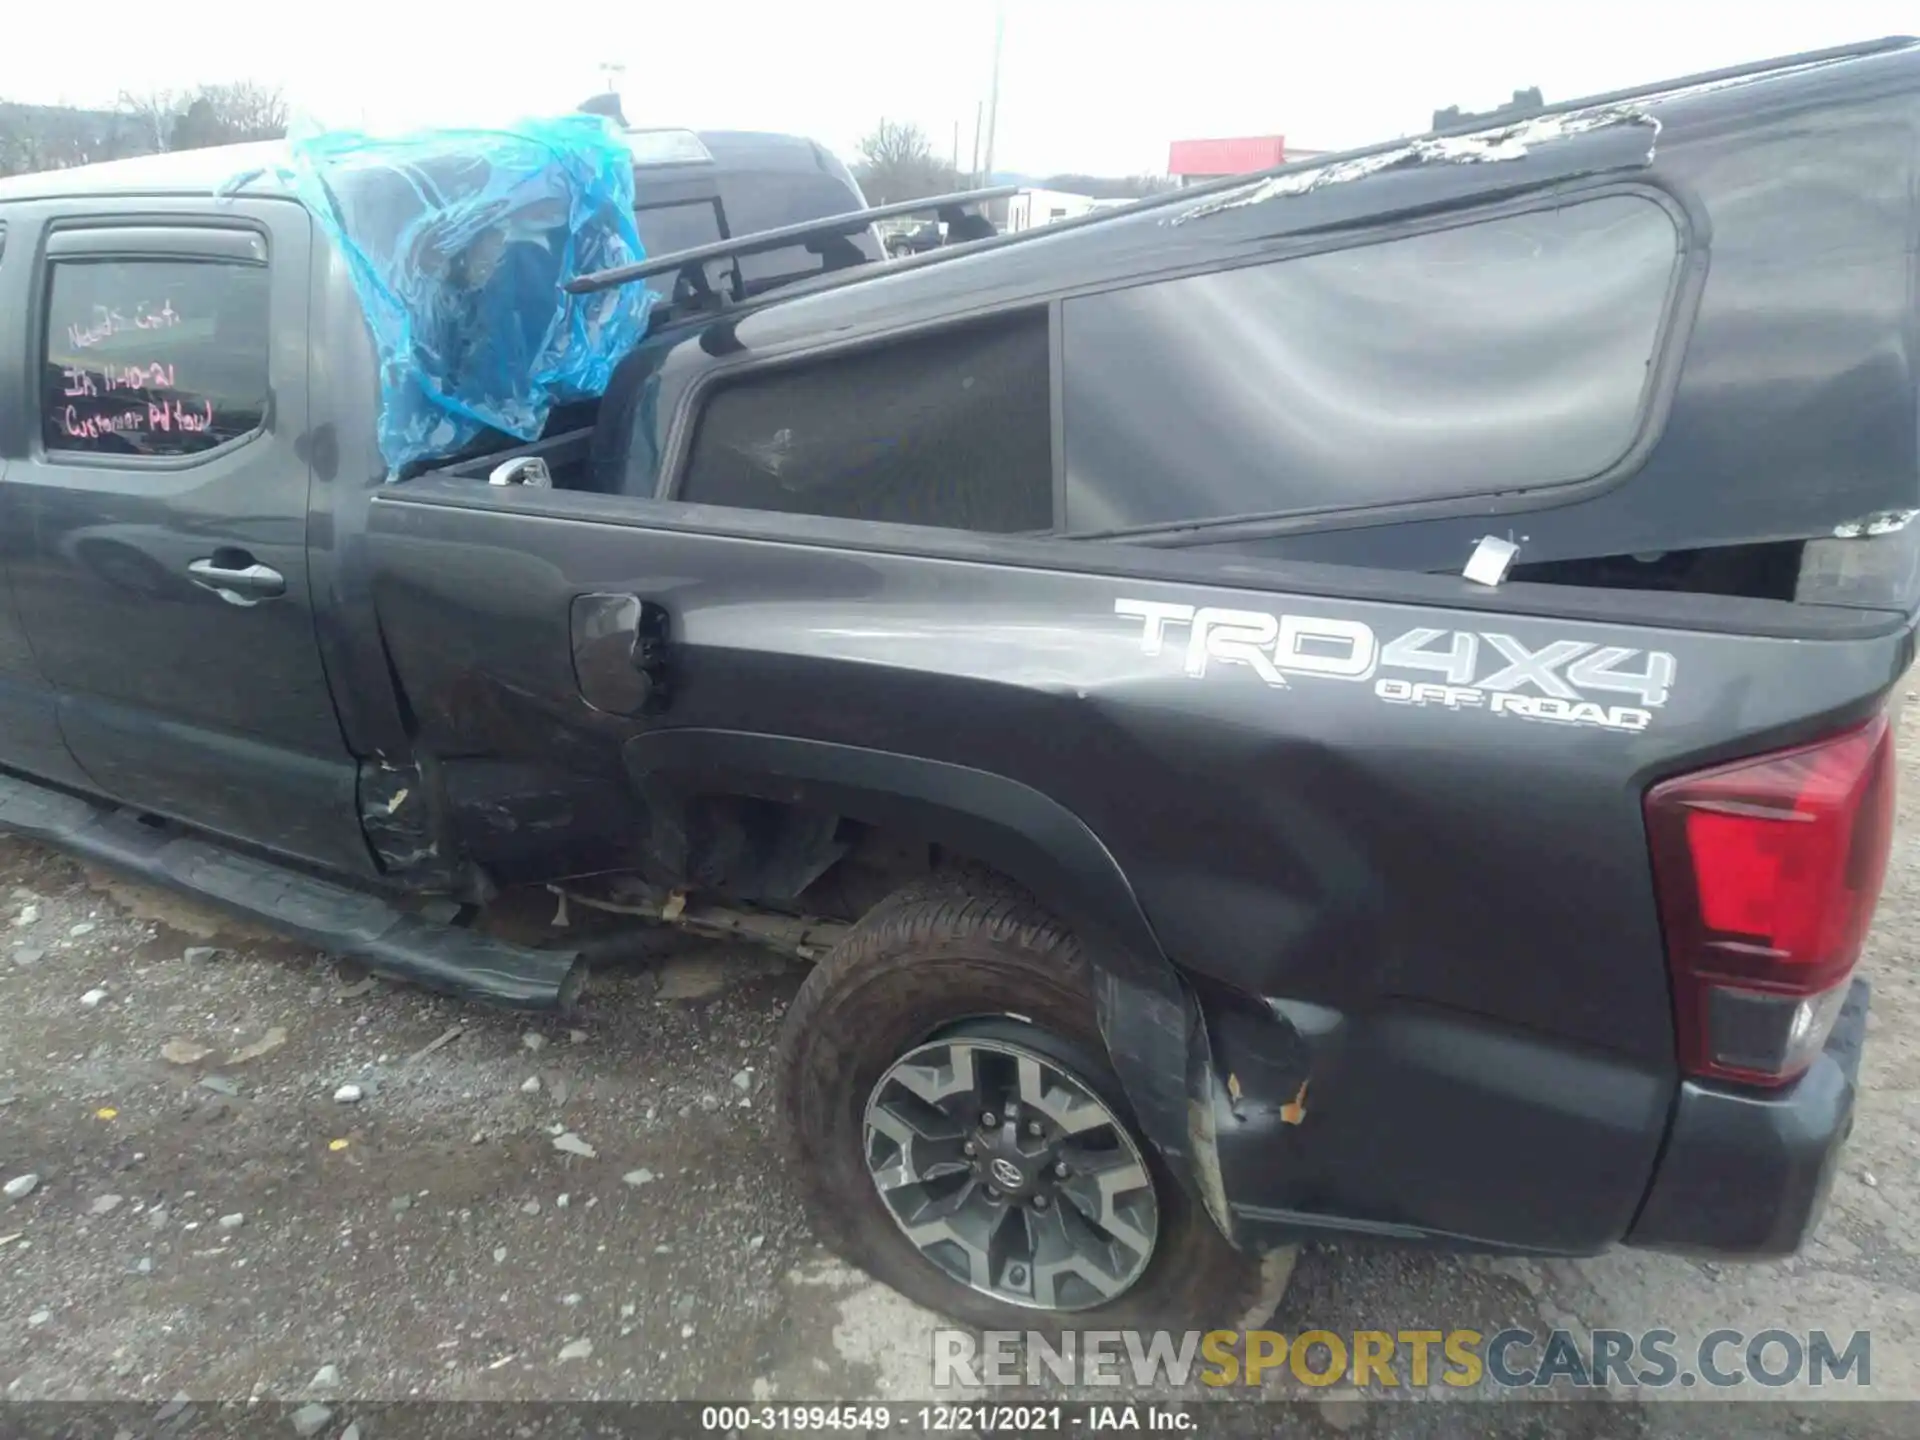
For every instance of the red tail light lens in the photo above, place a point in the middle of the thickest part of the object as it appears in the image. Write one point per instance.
(1767, 871)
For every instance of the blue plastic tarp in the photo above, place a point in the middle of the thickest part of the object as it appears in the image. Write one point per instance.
(459, 242)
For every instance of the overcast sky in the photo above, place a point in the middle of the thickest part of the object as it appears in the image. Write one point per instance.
(1096, 86)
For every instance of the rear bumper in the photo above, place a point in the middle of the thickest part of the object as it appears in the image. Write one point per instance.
(1437, 1128)
(1746, 1174)
(1427, 1126)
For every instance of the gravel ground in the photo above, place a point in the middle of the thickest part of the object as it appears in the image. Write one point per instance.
(506, 1209)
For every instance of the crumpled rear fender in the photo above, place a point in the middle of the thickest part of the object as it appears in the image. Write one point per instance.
(1149, 1017)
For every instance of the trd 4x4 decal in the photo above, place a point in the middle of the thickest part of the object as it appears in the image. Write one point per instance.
(1476, 670)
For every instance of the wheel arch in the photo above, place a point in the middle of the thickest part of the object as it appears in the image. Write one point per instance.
(1146, 1013)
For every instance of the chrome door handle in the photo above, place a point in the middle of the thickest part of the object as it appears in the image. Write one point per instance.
(241, 585)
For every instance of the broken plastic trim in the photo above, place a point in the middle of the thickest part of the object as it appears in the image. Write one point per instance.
(1512, 141)
(1882, 522)
(1870, 563)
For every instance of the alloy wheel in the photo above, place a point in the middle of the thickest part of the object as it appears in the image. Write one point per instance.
(1006, 1170)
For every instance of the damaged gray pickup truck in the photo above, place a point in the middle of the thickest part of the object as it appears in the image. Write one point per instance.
(1348, 701)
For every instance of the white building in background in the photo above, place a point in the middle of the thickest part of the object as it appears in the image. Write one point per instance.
(1031, 208)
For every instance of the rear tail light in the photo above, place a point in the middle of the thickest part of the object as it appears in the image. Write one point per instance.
(1767, 872)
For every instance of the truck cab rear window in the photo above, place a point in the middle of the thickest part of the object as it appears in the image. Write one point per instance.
(153, 357)
(666, 229)
(951, 429)
(1508, 354)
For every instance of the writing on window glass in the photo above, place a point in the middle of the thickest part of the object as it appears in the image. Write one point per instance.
(153, 418)
(80, 381)
(124, 384)
(106, 322)
(154, 357)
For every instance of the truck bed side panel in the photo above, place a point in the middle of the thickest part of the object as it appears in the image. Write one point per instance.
(1419, 863)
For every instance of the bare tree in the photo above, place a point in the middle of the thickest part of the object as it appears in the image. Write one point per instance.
(16, 144)
(196, 127)
(55, 137)
(894, 144)
(246, 111)
(208, 115)
(154, 112)
(897, 163)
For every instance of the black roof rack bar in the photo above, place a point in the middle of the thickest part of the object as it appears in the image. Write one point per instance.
(761, 240)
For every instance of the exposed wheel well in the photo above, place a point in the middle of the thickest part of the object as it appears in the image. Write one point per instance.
(749, 850)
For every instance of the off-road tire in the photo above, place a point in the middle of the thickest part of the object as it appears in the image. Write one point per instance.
(928, 957)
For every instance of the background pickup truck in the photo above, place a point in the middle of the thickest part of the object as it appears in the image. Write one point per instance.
(1065, 634)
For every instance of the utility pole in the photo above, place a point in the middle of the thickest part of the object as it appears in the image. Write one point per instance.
(973, 173)
(956, 149)
(993, 94)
